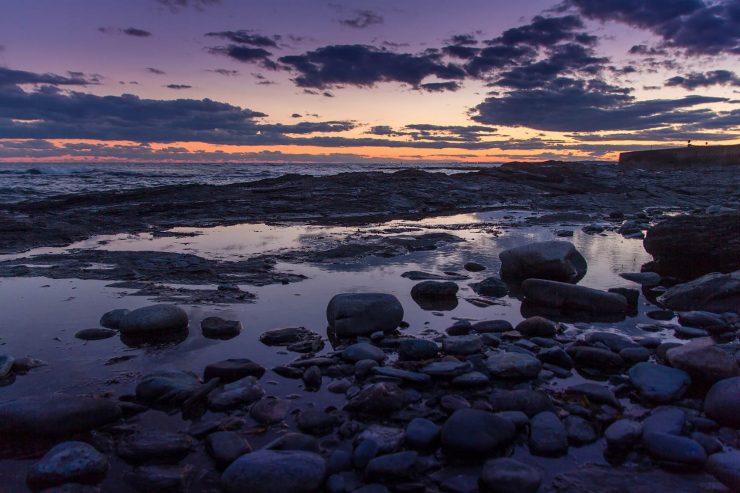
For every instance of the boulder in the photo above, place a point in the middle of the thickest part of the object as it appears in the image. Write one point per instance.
(537, 327)
(659, 383)
(434, 290)
(674, 449)
(554, 260)
(226, 446)
(218, 328)
(513, 366)
(476, 433)
(167, 387)
(722, 402)
(377, 399)
(154, 445)
(68, 462)
(491, 286)
(363, 350)
(112, 319)
(714, 292)
(233, 369)
(704, 361)
(275, 471)
(506, 475)
(565, 296)
(725, 466)
(547, 435)
(357, 314)
(417, 349)
(154, 319)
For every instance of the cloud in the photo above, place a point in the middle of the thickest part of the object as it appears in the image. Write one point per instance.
(363, 19)
(668, 134)
(138, 33)
(10, 77)
(698, 26)
(178, 86)
(440, 86)
(225, 72)
(569, 105)
(245, 54)
(565, 59)
(711, 78)
(177, 5)
(155, 71)
(247, 37)
(361, 65)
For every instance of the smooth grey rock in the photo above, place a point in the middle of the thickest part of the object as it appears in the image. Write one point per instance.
(474, 267)
(579, 430)
(269, 410)
(287, 336)
(712, 292)
(462, 345)
(363, 350)
(470, 380)
(506, 475)
(315, 422)
(556, 260)
(167, 387)
(55, 415)
(68, 462)
(477, 433)
(392, 466)
(226, 446)
(675, 449)
(704, 361)
(659, 383)
(218, 328)
(154, 446)
(240, 393)
(596, 393)
(491, 286)
(377, 399)
(566, 296)
(634, 354)
(154, 319)
(492, 326)
(412, 377)
(513, 366)
(556, 356)
(364, 452)
(665, 420)
(547, 435)
(94, 334)
(356, 314)
(275, 471)
(421, 434)
(112, 319)
(613, 341)
(6, 364)
(722, 402)
(725, 466)
(312, 378)
(623, 433)
(417, 349)
(447, 369)
(160, 478)
(530, 402)
(537, 327)
(594, 358)
(231, 370)
(434, 290)
(643, 278)
(294, 441)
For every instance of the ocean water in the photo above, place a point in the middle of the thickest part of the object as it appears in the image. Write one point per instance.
(35, 181)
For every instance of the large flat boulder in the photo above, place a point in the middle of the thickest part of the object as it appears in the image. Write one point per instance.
(357, 314)
(714, 292)
(554, 260)
(565, 296)
(153, 319)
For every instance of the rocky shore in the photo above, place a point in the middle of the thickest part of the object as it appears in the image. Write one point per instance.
(558, 400)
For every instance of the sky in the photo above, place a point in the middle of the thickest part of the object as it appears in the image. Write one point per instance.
(364, 80)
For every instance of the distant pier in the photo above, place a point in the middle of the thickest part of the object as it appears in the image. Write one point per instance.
(682, 157)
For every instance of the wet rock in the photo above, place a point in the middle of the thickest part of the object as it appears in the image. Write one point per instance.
(154, 446)
(315, 422)
(595, 358)
(491, 286)
(579, 431)
(231, 370)
(474, 267)
(391, 467)
(536, 327)
(725, 466)
(507, 475)
(722, 402)
(377, 399)
(447, 369)
(595, 393)
(363, 350)
(55, 415)
(167, 387)
(665, 420)
(356, 314)
(556, 356)
(530, 402)
(642, 278)
(659, 383)
(492, 326)
(160, 478)
(710, 444)
(269, 410)
(226, 446)
(95, 334)
(703, 361)
(555, 260)
(417, 275)
(68, 462)
(615, 342)
(565, 296)
(470, 380)
(339, 386)
(312, 378)
(112, 319)
(417, 349)
(513, 366)
(633, 355)
(286, 336)
(154, 319)
(623, 433)
(6, 365)
(434, 290)
(705, 320)
(674, 449)
(271, 471)
(713, 292)
(547, 435)
(421, 434)
(218, 328)
(462, 345)
(476, 433)
(239, 393)
(411, 377)
(294, 441)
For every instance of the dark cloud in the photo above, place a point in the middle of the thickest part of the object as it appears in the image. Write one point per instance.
(668, 134)
(361, 65)
(177, 5)
(225, 72)
(245, 54)
(440, 86)
(178, 86)
(543, 31)
(711, 78)
(460, 51)
(247, 37)
(363, 19)
(155, 71)
(296, 115)
(646, 50)
(698, 26)
(451, 135)
(135, 32)
(569, 105)
(463, 39)
(14, 77)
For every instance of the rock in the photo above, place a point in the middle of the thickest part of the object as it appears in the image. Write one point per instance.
(160, 478)
(312, 378)
(633, 355)
(287, 336)
(226, 446)
(269, 410)
(556, 356)
(95, 334)
(474, 267)
(68, 462)
(643, 278)
(377, 399)
(674, 449)
(240, 393)
(722, 402)
(167, 387)
(695, 243)
(547, 435)
(701, 319)
(421, 434)
(555, 260)
(537, 327)
(513, 366)
(594, 358)
(112, 319)
(363, 350)
(462, 345)
(476, 433)
(725, 466)
(218, 328)
(154, 446)
(579, 431)
(417, 349)
(530, 402)
(231, 370)
(492, 326)
(615, 342)
(631, 295)
(315, 422)
(392, 466)
(689, 332)
(713, 292)
(294, 441)
(356, 314)
(273, 471)
(623, 433)
(447, 369)
(6, 365)
(565, 296)
(411, 377)
(507, 475)
(659, 383)
(470, 380)
(595, 393)
(55, 415)
(434, 290)
(154, 319)
(491, 286)
(703, 361)
(564, 233)
(665, 420)
(417, 275)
